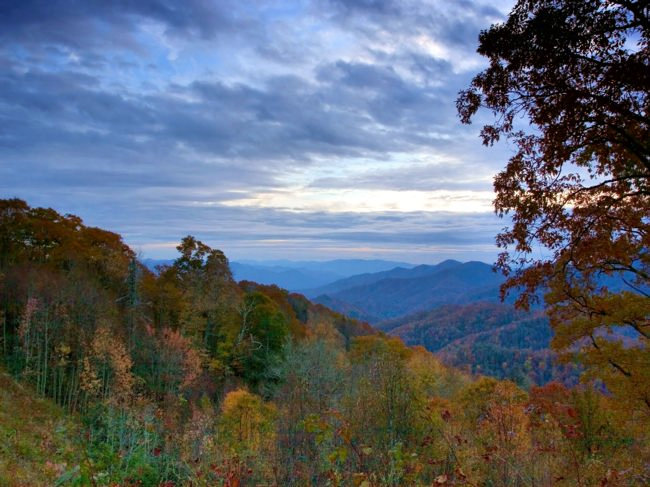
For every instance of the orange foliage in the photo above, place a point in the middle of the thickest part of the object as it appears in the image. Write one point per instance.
(107, 370)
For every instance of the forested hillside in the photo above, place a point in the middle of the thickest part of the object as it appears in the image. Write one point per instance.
(187, 378)
(487, 338)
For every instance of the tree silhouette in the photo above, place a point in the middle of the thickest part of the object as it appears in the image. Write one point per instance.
(578, 185)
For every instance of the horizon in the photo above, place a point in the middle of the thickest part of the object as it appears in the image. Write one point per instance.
(316, 130)
(428, 258)
(279, 262)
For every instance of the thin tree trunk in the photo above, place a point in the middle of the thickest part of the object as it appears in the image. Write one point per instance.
(46, 356)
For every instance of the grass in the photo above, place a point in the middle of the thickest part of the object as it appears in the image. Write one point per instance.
(37, 440)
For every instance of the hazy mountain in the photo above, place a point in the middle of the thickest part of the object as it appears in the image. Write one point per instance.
(370, 278)
(403, 291)
(284, 277)
(297, 275)
(340, 267)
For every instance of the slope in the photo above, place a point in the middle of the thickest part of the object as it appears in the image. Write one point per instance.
(36, 438)
(487, 338)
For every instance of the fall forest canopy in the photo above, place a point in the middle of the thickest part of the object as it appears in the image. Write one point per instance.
(185, 377)
(114, 374)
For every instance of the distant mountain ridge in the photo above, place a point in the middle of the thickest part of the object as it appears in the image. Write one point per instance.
(298, 275)
(341, 267)
(284, 277)
(398, 292)
(399, 272)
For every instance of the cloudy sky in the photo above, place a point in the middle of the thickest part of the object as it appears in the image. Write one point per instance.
(308, 129)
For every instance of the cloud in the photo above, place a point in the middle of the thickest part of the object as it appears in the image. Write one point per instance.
(156, 117)
(92, 22)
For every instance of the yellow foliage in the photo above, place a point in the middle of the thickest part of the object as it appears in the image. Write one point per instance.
(246, 421)
(391, 348)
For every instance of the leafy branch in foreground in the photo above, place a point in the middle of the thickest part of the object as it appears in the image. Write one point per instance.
(578, 187)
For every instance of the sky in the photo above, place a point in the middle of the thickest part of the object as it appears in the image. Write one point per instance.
(308, 129)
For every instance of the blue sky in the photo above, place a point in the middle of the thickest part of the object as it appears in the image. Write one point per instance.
(270, 129)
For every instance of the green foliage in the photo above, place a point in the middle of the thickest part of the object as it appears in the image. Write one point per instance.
(186, 378)
(124, 447)
(258, 349)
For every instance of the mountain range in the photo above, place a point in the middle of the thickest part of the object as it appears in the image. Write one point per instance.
(297, 275)
(400, 291)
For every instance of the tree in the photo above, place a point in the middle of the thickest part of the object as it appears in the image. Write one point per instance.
(209, 290)
(578, 186)
(246, 421)
(384, 401)
(258, 348)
